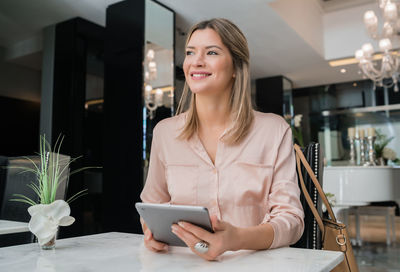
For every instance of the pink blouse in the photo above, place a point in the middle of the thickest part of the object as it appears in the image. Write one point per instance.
(251, 183)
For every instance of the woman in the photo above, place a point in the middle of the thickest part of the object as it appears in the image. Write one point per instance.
(223, 155)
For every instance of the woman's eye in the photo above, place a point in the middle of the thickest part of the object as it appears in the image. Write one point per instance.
(212, 53)
(188, 53)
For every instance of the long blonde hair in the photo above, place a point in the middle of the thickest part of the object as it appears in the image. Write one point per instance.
(240, 100)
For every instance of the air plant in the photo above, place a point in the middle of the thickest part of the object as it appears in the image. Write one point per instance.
(49, 174)
(48, 213)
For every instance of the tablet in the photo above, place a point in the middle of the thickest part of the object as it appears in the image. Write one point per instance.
(160, 217)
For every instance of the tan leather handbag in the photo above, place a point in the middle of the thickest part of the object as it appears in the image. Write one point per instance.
(334, 234)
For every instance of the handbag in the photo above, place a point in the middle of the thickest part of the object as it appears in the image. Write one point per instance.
(334, 234)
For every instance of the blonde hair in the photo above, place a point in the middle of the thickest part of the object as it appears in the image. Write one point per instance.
(240, 100)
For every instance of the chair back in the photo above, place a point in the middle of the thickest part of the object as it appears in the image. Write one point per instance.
(16, 183)
(14, 180)
(311, 237)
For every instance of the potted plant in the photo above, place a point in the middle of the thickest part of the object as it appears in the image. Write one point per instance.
(47, 214)
(295, 125)
(382, 152)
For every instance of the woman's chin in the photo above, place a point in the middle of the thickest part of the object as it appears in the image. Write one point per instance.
(198, 90)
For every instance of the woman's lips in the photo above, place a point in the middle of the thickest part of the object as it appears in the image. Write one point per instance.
(199, 75)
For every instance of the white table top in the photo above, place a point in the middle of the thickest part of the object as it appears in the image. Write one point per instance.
(126, 252)
(7, 227)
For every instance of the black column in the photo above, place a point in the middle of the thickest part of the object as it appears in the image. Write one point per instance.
(269, 94)
(72, 40)
(122, 175)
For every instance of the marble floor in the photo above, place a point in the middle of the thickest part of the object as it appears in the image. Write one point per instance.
(374, 255)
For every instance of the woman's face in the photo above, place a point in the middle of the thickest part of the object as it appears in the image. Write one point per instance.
(208, 63)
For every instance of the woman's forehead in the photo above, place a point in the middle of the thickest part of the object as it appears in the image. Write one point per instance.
(204, 37)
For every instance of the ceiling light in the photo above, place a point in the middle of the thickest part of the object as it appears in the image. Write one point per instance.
(341, 62)
(343, 70)
(347, 61)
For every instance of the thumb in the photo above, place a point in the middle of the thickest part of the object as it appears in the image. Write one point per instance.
(217, 224)
(147, 234)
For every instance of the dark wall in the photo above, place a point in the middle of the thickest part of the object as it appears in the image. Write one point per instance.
(19, 133)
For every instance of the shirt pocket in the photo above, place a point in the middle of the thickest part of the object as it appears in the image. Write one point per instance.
(182, 182)
(252, 183)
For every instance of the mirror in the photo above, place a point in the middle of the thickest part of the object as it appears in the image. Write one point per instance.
(158, 71)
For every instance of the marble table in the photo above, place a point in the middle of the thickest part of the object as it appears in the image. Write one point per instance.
(125, 252)
(7, 227)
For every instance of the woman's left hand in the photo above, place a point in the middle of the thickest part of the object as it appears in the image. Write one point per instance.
(224, 238)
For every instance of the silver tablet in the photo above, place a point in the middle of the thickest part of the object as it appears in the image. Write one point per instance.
(160, 217)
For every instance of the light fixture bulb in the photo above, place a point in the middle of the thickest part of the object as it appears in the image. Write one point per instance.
(359, 54)
(152, 66)
(385, 45)
(390, 11)
(150, 54)
(368, 49)
(159, 97)
(147, 92)
(382, 3)
(388, 30)
(370, 19)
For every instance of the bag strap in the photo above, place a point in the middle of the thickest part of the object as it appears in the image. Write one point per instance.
(300, 157)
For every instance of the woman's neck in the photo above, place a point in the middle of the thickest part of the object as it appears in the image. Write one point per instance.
(212, 112)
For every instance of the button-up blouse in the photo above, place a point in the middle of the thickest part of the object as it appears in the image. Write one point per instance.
(250, 183)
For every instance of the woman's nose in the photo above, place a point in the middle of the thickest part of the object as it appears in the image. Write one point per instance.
(199, 60)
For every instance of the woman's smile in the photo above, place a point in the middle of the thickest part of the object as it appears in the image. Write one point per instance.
(198, 75)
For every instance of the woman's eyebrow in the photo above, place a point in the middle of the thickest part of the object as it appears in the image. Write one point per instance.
(207, 47)
(211, 46)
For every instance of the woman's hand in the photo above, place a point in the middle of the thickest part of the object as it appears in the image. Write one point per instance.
(224, 238)
(150, 242)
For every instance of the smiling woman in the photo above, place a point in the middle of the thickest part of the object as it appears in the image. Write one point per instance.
(225, 49)
(223, 155)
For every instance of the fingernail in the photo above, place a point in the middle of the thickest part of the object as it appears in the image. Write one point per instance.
(165, 247)
(147, 236)
(174, 228)
(181, 224)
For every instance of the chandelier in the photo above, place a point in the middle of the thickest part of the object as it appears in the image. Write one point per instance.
(152, 98)
(386, 74)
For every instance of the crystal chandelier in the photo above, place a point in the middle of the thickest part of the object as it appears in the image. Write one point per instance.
(152, 98)
(387, 75)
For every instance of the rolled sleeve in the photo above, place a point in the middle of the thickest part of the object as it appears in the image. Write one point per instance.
(286, 212)
(155, 189)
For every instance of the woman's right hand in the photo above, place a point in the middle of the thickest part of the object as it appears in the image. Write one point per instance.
(150, 242)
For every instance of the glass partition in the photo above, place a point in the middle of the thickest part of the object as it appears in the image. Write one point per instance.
(331, 110)
(334, 127)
